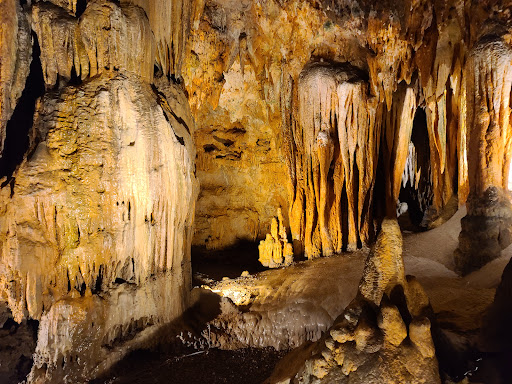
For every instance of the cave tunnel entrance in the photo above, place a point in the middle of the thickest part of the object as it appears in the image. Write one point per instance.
(415, 195)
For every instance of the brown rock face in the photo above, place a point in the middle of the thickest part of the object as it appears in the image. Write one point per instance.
(383, 336)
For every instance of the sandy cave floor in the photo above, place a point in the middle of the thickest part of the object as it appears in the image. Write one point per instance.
(318, 290)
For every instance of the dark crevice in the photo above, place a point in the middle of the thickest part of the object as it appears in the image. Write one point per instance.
(75, 79)
(22, 119)
(99, 281)
(81, 5)
(162, 101)
(418, 199)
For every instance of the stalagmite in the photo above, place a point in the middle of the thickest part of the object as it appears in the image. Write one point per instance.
(275, 251)
(487, 228)
(384, 334)
(336, 138)
(397, 136)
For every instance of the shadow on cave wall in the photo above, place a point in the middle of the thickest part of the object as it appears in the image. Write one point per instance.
(18, 127)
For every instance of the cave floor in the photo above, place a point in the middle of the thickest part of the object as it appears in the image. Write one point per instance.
(321, 289)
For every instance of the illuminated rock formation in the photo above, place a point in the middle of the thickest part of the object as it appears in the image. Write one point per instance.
(15, 53)
(243, 77)
(336, 141)
(487, 228)
(95, 231)
(383, 336)
(275, 251)
(93, 43)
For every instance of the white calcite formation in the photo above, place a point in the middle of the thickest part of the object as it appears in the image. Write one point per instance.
(95, 231)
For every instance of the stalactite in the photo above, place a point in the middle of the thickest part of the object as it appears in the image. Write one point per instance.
(396, 138)
(15, 54)
(105, 38)
(442, 90)
(171, 22)
(333, 133)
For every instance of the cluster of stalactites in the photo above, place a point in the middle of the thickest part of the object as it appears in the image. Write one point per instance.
(275, 251)
(105, 37)
(171, 22)
(336, 141)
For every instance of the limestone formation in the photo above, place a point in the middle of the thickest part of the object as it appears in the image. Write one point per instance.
(243, 77)
(487, 228)
(275, 251)
(93, 43)
(336, 143)
(15, 57)
(384, 334)
(170, 22)
(96, 227)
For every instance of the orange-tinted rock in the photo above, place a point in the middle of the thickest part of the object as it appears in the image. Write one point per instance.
(16, 55)
(487, 228)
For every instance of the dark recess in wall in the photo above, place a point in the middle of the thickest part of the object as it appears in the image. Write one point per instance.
(80, 7)
(418, 200)
(18, 127)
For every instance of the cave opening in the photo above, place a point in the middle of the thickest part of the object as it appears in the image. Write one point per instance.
(416, 193)
(18, 127)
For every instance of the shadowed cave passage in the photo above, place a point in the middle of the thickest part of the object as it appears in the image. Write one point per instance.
(416, 190)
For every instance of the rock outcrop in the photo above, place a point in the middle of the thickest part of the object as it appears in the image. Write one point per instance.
(384, 334)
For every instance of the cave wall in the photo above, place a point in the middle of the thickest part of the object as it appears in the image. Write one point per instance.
(301, 105)
(242, 76)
